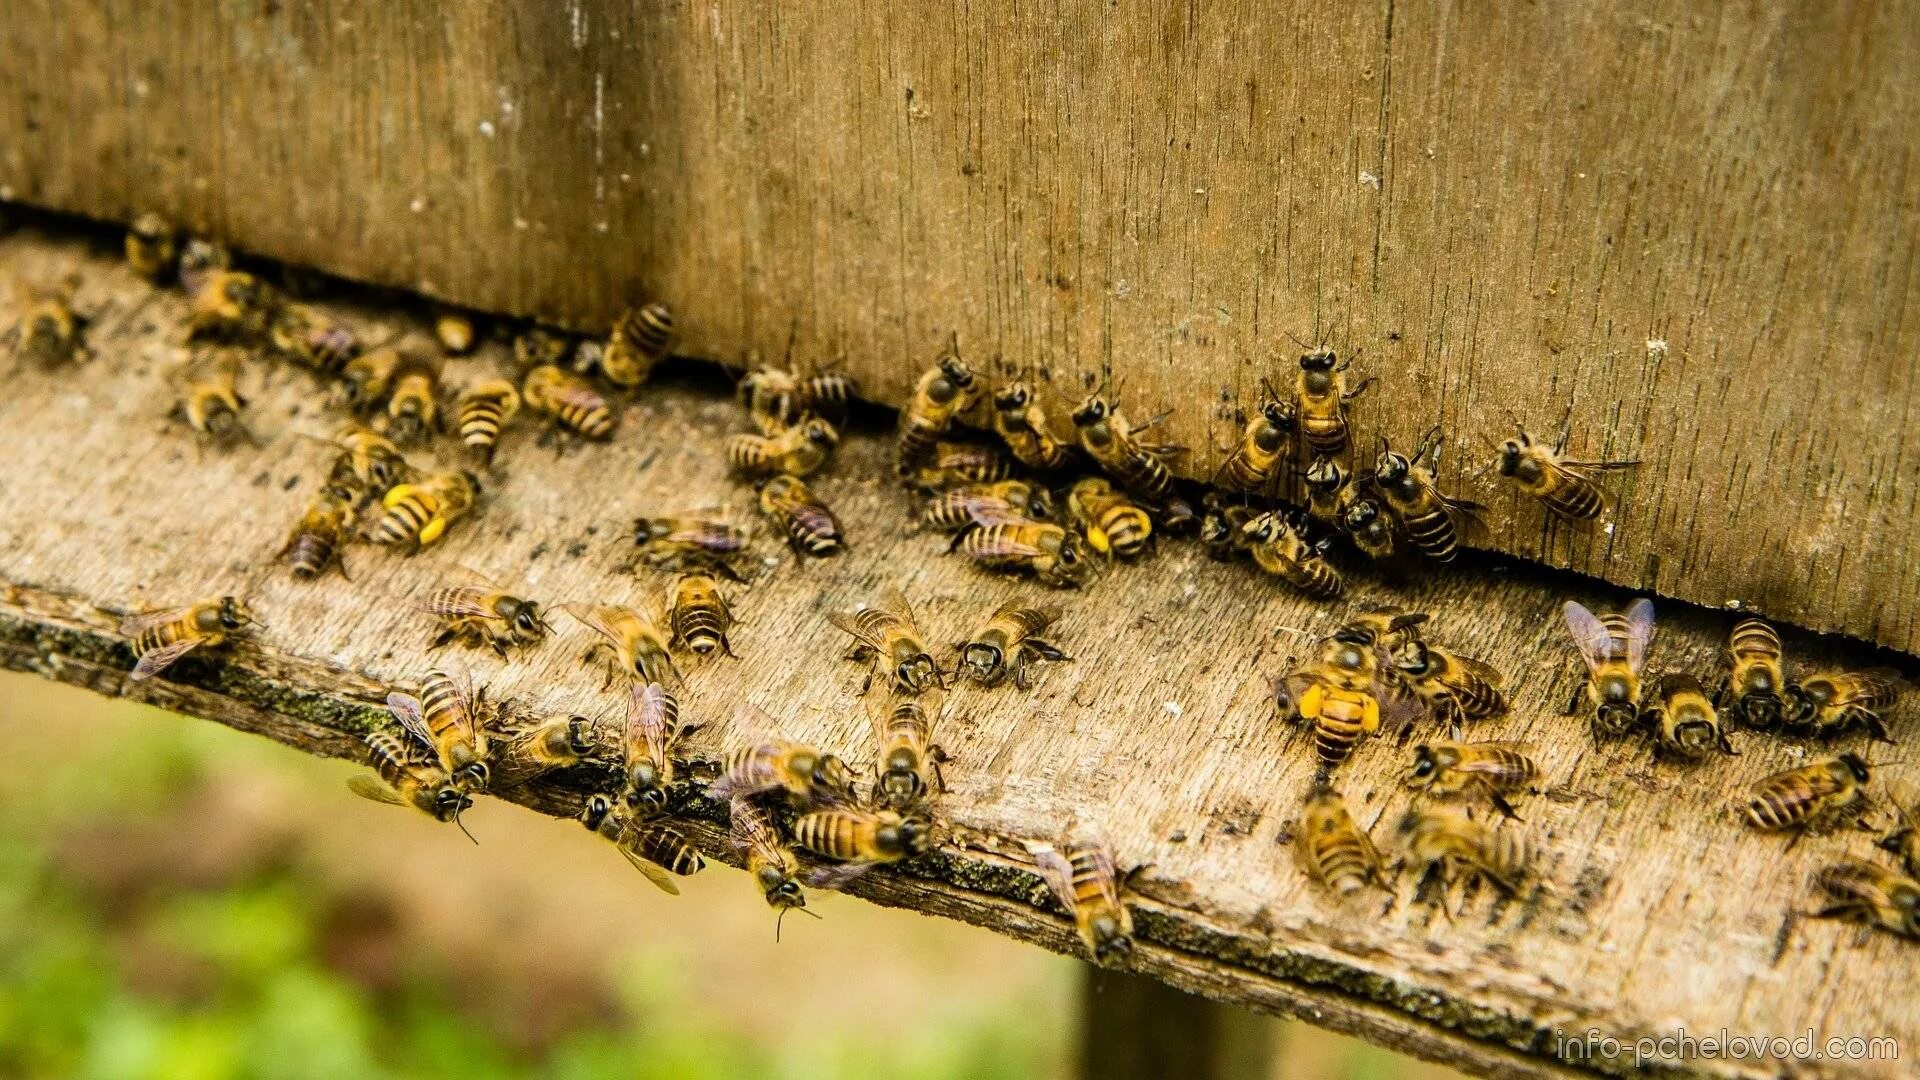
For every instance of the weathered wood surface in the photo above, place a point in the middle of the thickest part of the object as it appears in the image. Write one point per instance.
(1691, 223)
(1159, 735)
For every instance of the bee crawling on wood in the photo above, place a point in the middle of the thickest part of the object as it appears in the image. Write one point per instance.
(1019, 419)
(1279, 549)
(448, 718)
(953, 464)
(1432, 521)
(769, 861)
(1614, 647)
(1321, 399)
(781, 395)
(210, 401)
(1564, 486)
(766, 763)
(366, 380)
(1331, 847)
(633, 642)
(568, 400)
(943, 393)
(800, 450)
(413, 405)
(1493, 769)
(1330, 492)
(420, 512)
(1684, 722)
(152, 245)
(1265, 445)
(1008, 642)
(409, 774)
(521, 752)
(52, 334)
(1813, 798)
(232, 306)
(806, 521)
(479, 613)
(326, 347)
(971, 505)
(1454, 688)
(699, 614)
(655, 848)
(639, 340)
(1874, 896)
(1113, 524)
(1904, 840)
(1447, 845)
(884, 633)
(1083, 879)
(689, 541)
(651, 732)
(162, 636)
(320, 538)
(1050, 553)
(859, 839)
(1757, 684)
(1116, 447)
(369, 464)
(1830, 703)
(906, 760)
(482, 414)
(454, 331)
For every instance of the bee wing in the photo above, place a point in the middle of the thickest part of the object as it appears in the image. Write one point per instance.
(459, 600)
(1055, 871)
(1589, 634)
(1481, 670)
(135, 625)
(1003, 546)
(407, 709)
(579, 395)
(647, 737)
(654, 872)
(847, 621)
(1639, 632)
(895, 601)
(371, 787)
(154, 661)
(837, 876)
(598, 618)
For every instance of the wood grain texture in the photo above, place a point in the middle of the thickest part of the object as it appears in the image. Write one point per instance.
(1690, 224)
(1159, 735)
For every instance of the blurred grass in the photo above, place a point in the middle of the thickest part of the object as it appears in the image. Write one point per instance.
(182, 902)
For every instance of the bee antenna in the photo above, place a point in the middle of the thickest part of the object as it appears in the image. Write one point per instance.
(1297, 341)
(463, 828)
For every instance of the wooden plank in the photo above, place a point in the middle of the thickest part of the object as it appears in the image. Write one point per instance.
(1159, 735)
(1674, 219)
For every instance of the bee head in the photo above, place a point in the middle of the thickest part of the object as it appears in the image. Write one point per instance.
(1425, 762)
(1326, 474)
(901, 784)
(985, 663)
(1856, 765)
(1110, 939)
(1261, 529)
(1318, 360)
(1512, 452)
(1012, 398)
(1277, 413)
(1412, 657)
(1613, 718)
(1390, 468)
(831, 773)
(956, 371)
(235, 614)
(595, 811)
(580, 738)
(473, 481)
(450, 802)
(526, 620)
(910, 836)
(1092, 411)
(472, 776)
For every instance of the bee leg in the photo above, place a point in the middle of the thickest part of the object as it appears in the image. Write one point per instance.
(1876, 726)
(442, 639)
(1573, 703)
(1020, 671)
(1501, 804)
(1358, 389)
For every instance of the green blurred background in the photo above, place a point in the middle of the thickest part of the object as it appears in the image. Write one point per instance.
(182, 901)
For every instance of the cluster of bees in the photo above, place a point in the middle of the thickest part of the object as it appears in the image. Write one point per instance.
(1378, 668)
(1017, 494)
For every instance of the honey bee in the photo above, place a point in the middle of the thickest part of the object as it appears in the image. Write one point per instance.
(807, 776)
(678, 541)
(525, 753)
(1339, 690)
(1331, 847)
(52, 333)
(1614, 647)
(1280, 550)
(1758, 683)
(699, 615)
(444, 719)
(479, 613)
(1370, 528)
(1382, 629)
(769, 861)
(369, 462)
(413, 408)
(639, 340)
(421, 511)
(570, 401)
(652, 729)
(1684, 720)
(233, 306)
(1265, 445)
(1904, 840)
(1811, 798)
(1455, 688)
(1564, 486)
(482, 412)
(1116, 447)
(1083, 880)
(1341, 716)
(810, 527)
(1112, 523)
(1329, 492)
(1019, 419)
(165, 635)
(972, 505)
(313, 341)
(1831, 702)
(800, 450)
(1052, 554)
(654, 848)
(210, 400)
(454, 331)
(1321, 399)
(1008, 642)
(1223, 528)
(151, 246)
(907, 759)
(860, 839)
(537, 346)
(199, 260)
(1493, 769)
(1446, 843)
(953, 464)
(944, 392)
(1872, 895)
(366, 379)
(885, 635)
(1431, 520)
(634, 642)
(410, 775)
(316, 543)
(781, 396)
